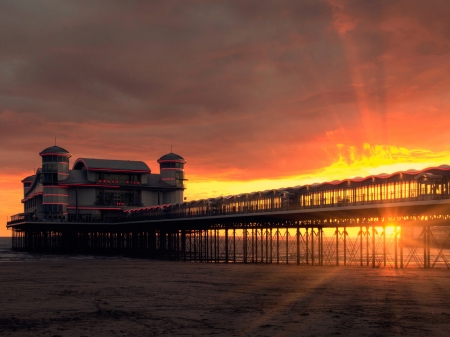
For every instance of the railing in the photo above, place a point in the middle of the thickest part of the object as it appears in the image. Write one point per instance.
(174, 213)
(17, 217)
(183, 212)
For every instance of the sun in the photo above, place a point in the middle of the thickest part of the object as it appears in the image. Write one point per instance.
(390, 230)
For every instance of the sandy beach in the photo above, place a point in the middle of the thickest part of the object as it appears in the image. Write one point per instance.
(152, 298)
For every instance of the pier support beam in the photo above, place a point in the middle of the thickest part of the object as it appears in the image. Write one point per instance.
(298, 245)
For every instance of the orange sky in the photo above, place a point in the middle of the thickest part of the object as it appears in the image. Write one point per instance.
(254, 95)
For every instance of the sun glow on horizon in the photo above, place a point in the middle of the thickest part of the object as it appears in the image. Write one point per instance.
(351, 162)
(348, 162)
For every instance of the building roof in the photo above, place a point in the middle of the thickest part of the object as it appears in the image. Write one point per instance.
(29, 179)
(76, 177)
(54, 150)
(154, 180)
(171, 157)
(36, 179)
(110, 165)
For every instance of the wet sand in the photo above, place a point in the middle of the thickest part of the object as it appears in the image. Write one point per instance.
(152, 298)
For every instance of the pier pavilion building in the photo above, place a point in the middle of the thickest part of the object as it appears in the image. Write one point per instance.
(120, 207)
(98, 189)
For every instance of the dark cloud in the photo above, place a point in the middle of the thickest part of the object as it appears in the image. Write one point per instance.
(254, 88)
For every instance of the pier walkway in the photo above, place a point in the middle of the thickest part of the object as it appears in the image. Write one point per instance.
(399, 220)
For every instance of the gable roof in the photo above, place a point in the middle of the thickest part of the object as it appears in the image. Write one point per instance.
(110, 165)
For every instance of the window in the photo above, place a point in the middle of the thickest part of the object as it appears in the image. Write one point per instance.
(172, 165)
(115, 178)
(117, 198)
(53, 167)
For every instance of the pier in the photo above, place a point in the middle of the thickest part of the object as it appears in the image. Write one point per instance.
(386, 234)
(396, 220)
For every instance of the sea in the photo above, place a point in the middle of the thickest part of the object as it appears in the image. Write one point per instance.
(9, 255)
(410, 254)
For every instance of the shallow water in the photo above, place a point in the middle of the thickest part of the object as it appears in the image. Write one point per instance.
(8, 255)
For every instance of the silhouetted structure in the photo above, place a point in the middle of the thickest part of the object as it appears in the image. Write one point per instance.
(98, 189)
(307, 224)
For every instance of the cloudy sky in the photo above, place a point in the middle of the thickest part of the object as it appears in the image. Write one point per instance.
(253, 94)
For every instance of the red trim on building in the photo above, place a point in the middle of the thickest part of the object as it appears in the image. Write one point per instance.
(106, 169)
(54, 203)
(106, 182)
(172, 161)
(59, 195)
(149, 208)
(95, 208)
(56, 154)
(116, 170)
(31, 196)
(91, 185)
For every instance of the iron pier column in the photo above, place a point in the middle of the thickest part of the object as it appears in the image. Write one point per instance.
(287, 246)
(226, 245)
(345, 246)
(298, 245)
(337, 245)
(373, 247)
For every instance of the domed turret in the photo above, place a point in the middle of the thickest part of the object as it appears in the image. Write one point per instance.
(171, 157)
(54, 150)
(55, 164)
(55, 167)
(172, 172)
